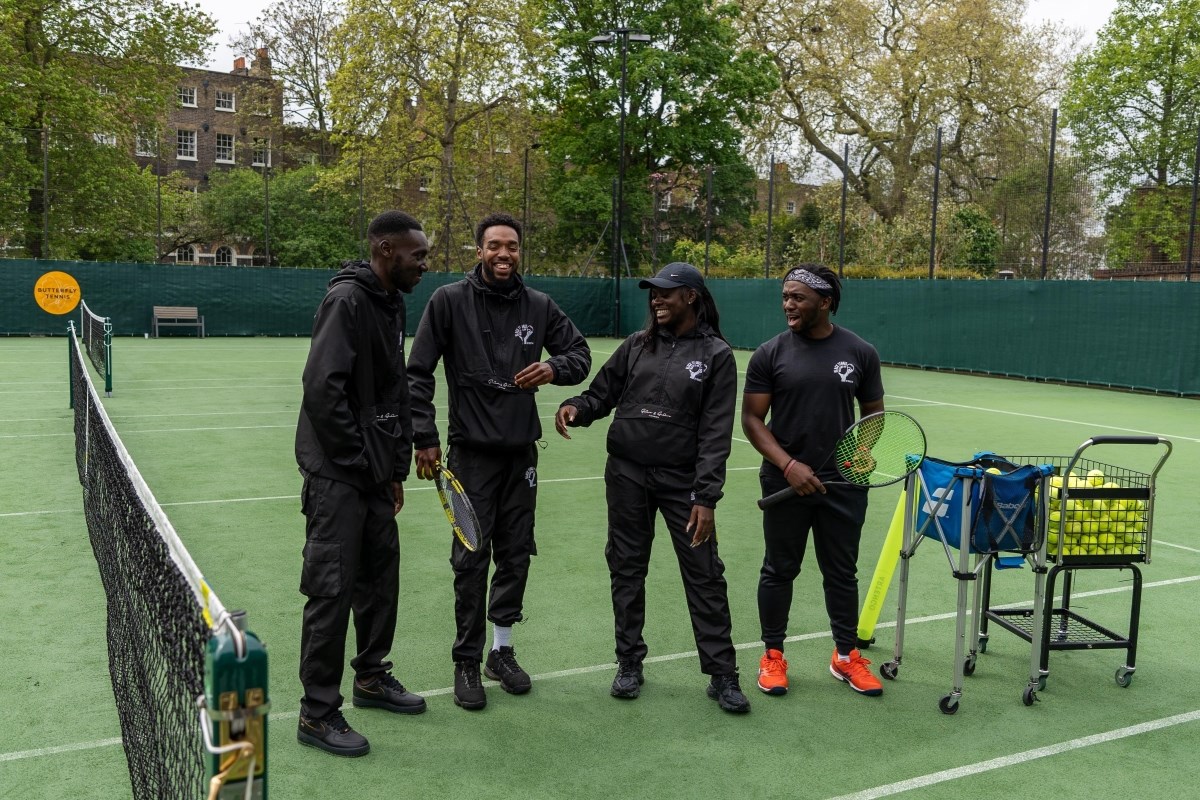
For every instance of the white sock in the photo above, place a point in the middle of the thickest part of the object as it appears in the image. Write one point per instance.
(844, 658)
(501, 636)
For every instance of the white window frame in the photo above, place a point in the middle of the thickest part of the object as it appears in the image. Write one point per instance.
(262, 147)
(664, 201)
(790, 207)
(180, 137)
(217, 256)
(662, 237)
(232, 159)
(187, 96)
(145, 144)
(222, 94)
(190, 253)
(106, 139)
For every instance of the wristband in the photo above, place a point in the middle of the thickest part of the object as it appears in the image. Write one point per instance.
(788, 467)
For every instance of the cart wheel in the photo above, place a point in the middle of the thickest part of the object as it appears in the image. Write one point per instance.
(983, 644)
(1041, 683)
(889, 670)
(948, 704)
(1124, 677)
(969, 666)
(1028, 696)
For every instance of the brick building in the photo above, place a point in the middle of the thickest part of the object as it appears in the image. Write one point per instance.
(220, 120)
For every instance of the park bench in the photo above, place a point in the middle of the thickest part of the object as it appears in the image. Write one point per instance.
(188, 316)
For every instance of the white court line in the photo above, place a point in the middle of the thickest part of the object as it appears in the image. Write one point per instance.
(564, 673)
(1019, 759)
(1050, 419)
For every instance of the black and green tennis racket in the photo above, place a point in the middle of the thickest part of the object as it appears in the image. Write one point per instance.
(457, 507)
(878, 450)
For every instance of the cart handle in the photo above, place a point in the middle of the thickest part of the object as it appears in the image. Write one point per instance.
(1125, 440)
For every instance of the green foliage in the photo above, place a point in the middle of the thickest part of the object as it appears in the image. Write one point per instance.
(1133, 100)
(1148, 226)
(78, 73)
(974, 241)
(689, 94)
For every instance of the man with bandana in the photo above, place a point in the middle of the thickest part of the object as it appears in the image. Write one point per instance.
(808, 378)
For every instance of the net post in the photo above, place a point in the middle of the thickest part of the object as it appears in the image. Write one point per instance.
(71, 364)
(234, 711)
(108, 357)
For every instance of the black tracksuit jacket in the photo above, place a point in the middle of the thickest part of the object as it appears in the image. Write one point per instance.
(674, 405)
(485, 336)
(355, 423)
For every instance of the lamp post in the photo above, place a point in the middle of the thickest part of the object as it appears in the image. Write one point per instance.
(527, 252)
(624, 36)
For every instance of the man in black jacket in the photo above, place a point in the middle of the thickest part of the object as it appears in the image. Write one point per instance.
(353, 446)
(491, 329)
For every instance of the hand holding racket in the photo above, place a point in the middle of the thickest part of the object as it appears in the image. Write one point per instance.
(457, 507)
(878, 450)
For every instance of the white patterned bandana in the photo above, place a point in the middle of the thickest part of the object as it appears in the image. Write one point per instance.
(806, 277)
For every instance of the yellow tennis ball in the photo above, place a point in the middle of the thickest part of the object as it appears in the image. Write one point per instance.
(1095, 477)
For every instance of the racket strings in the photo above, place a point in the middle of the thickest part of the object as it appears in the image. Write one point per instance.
(880, 449)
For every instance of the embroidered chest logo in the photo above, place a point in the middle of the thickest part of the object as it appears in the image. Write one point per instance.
(696, 370)
(843, 369)
(531, 476)
(523, 332)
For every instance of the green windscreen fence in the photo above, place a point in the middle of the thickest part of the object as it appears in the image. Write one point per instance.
(1125, 334)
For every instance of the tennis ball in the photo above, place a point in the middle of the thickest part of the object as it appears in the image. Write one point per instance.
(1075, 482)
(1090, 527)
(1104, 524)
(1106, 540)
(1073, 527)
(1055, 520)
(1095, 477)
(1130, 550)
(993, 471)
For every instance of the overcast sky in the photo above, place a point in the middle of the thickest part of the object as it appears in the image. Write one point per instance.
(234, 15)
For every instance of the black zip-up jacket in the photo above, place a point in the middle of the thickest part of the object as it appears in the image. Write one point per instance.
(485, 336)
(355, 421)
(674, 405)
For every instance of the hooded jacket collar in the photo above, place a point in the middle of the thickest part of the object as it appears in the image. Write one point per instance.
(360, 272)
(475, 278)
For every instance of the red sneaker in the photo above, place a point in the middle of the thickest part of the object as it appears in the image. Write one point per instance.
(855, 673)
(772, 673)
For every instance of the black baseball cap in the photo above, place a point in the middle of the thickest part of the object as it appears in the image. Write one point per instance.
(674, 275)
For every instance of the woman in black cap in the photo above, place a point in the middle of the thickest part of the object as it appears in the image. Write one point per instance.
(673, 387)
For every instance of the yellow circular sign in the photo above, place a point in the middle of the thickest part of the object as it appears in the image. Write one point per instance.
(56, 292)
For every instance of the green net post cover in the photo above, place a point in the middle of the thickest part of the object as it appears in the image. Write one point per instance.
(235, 692)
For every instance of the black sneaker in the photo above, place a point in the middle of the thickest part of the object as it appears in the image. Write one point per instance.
(627, 684)
(728, 694)
(333, 735)
(384, 691)
(502, 666)
(468, 686)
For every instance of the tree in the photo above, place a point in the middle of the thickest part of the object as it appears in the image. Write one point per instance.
(882, 75)
(1133, 100)
(415, 94)
(690, 93)
(299, 36)
(78, 78)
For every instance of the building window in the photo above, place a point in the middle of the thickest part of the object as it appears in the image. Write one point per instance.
(185, 255)
(423, 186)
(662, 236)
(105, 139)
(693, 201)
(262, 152)
(790, 207)
(187, 96)
(664, 201)
(146, 143)
(225, 101)
(225, 148)
(185, 145)
(223, 257)
(102, 89)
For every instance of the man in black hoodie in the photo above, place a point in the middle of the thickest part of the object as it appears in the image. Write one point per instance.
(491, 329)
(353, 446)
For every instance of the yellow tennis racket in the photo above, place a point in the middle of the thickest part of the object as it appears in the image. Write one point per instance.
(457, 507)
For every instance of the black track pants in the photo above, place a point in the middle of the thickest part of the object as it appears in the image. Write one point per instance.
(635, 495)
(351, 563)
(502, 488)
(835, 520)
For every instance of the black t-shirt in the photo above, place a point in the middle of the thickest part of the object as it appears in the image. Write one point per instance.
(813, 385)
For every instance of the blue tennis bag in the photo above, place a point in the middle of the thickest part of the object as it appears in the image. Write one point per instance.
(1001, 509)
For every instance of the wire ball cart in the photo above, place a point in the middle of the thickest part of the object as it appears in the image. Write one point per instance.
(1099, 516)
(983, 509)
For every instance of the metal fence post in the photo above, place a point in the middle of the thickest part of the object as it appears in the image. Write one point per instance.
(1049, 193)
(937, 174)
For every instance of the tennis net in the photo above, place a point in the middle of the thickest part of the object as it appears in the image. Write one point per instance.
(97, 341)
(161, 612)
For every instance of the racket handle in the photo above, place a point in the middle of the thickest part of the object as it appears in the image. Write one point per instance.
(777, 497)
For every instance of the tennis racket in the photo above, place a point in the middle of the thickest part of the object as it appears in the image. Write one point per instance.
(457, 507)
(878, 450)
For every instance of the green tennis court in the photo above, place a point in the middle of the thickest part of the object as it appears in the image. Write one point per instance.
(210, 424)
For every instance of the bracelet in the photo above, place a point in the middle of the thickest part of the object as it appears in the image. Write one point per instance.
(787, 468)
